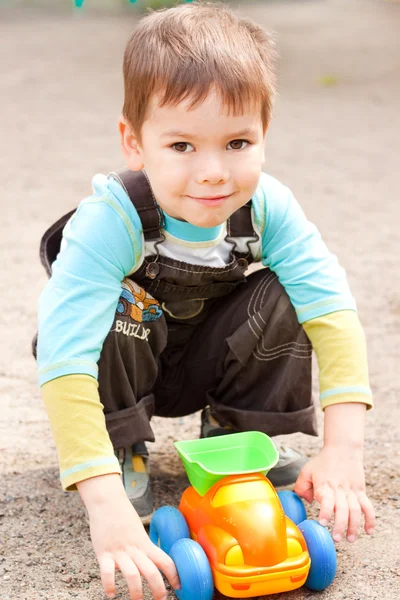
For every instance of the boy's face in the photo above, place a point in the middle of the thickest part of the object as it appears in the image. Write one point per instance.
(203, 164)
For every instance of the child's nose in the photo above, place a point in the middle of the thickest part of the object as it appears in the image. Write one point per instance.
(212, 170)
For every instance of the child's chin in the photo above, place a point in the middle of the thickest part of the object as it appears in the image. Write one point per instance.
(207, 223)
(206, 218)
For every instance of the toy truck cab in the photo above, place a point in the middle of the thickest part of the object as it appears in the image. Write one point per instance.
(252, 547)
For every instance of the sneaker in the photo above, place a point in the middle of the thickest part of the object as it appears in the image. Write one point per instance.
(134, 462)
(290, 462)
(210, 426)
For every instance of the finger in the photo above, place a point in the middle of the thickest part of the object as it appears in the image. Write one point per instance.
(326, 497)
(341, 515)
(107, 574)
(304, 485)
(131, 575)
(148, 569)
(369, 512)
(166, 565)
(354, 517)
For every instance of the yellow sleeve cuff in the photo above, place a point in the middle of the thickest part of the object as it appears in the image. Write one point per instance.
(78, 424)
(69, 481)
(346, 398)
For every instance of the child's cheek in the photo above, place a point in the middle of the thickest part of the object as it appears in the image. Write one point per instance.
(250, 176)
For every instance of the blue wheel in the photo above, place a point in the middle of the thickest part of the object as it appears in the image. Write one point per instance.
(193, 569)
(167, 526)
(322, 553)
(292, 506)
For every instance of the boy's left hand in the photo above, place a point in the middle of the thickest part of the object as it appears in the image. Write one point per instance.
(335, 478)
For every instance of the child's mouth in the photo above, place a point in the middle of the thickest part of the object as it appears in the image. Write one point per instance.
(211, 200)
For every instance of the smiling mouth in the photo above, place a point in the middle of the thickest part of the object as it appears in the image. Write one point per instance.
(210, 198)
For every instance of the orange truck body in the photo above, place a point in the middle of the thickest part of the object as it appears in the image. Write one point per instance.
(252, 547)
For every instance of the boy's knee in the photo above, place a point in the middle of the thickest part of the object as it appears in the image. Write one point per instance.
(269, 297)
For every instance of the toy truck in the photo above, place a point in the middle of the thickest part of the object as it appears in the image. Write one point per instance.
(233, 531)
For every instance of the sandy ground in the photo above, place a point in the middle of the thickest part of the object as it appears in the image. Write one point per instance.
(334, 140)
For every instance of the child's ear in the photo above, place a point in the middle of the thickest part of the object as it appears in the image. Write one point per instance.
(130, 146)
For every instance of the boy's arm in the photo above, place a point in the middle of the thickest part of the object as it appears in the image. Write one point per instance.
(335, 477)
(76, 312)
(77, 420)
(339, 344)
(292, 247)
(119, 539)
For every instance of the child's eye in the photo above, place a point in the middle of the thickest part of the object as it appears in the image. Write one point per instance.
(238, 144)
(182, 147)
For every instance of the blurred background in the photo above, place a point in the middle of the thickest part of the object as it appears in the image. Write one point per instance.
(334, 140)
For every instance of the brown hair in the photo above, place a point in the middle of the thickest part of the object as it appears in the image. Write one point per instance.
(181, 53)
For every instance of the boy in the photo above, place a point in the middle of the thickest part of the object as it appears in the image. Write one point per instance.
(148, 309)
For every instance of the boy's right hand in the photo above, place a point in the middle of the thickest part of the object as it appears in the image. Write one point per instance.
(120, 540)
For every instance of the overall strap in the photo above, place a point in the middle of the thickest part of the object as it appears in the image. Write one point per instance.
(51, 242)
(138, 189)
(137, 186)
(240, 223)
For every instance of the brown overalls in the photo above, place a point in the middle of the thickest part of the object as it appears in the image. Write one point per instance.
(212, 336)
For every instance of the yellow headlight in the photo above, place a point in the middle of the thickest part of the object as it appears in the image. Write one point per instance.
(294, 547)
(234, 557)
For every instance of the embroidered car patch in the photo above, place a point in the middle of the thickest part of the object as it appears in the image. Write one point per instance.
(135, 302)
